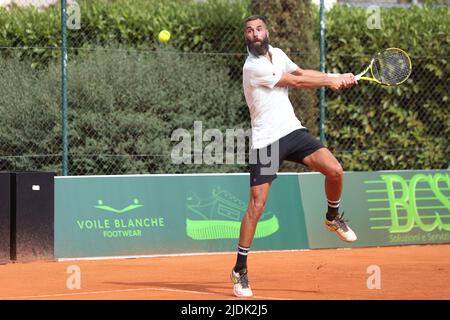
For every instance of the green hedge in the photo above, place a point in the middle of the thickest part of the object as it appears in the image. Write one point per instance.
(407, 127)
(369, 127)
(212, 26)
(124, 107)
(30, 129)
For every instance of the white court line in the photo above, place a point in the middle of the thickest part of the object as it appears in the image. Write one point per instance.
(174, 255)
(126, 290)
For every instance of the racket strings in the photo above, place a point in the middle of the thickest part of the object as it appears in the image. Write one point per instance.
(391, 67)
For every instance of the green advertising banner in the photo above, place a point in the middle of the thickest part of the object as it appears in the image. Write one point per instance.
(168, 214)
(162, 214)
(383, 208)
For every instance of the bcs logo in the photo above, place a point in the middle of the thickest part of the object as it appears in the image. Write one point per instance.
(426, 205)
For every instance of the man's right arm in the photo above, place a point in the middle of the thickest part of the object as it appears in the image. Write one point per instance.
(306, 80)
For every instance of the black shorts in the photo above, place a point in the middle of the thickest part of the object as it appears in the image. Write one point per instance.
(294, 147)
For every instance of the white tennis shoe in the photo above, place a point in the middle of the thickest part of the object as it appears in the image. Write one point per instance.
(241, 287)
(340, 226)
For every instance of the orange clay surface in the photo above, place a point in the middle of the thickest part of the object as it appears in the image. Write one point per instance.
(407, 272)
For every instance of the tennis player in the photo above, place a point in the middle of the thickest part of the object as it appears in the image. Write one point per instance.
(278, 135)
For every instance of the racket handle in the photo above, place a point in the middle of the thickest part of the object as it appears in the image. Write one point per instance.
(359, 76)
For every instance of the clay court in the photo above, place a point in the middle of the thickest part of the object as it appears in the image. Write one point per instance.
(407, 272)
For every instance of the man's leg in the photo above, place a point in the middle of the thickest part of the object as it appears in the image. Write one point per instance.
(257, 203)
(324, 162)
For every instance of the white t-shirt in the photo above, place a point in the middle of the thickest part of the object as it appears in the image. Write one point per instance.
(271, 112)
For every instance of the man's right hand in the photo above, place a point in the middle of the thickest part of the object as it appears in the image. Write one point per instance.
(341, 81)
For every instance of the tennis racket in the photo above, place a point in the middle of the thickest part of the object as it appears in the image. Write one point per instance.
(389, 67)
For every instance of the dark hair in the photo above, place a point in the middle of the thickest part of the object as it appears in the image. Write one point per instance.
(256, 17)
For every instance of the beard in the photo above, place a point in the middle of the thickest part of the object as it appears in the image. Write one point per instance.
(258, 49)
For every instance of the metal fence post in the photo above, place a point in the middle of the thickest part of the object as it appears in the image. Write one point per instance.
(64, 104)
(322, 69)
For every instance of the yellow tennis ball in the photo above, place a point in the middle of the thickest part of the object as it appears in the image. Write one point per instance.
(164, 36)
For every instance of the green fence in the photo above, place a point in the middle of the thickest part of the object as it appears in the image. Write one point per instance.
(127, 92)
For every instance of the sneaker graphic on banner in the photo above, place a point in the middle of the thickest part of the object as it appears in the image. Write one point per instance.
(219, 217)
